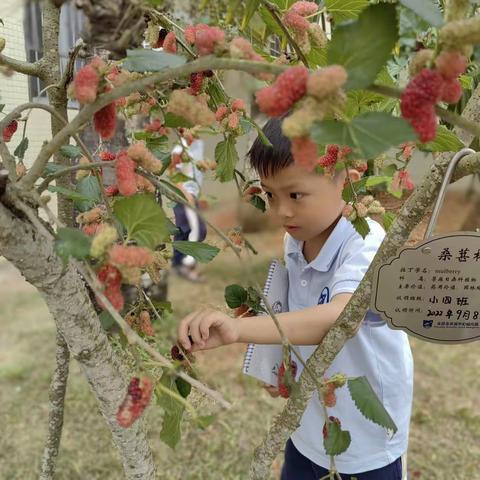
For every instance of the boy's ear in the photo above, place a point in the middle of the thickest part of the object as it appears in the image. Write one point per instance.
(354, 174)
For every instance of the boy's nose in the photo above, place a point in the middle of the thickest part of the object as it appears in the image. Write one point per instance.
(284, 211)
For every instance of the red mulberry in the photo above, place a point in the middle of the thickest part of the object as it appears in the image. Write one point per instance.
(305, 152)
(283, 389)
(138, 396)
(452, 91)
(196, 82)
(9, 130)
(111, 279)
(107, 156)
(330, 158)
(125, 169)
(105, 121)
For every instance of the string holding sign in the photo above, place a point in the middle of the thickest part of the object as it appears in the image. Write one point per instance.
(432, 290)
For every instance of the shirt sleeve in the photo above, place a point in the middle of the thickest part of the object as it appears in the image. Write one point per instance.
(354, 261)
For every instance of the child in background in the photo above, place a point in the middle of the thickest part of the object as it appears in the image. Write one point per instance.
(326, 259)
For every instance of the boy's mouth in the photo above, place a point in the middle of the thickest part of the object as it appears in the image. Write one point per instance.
(291, 228)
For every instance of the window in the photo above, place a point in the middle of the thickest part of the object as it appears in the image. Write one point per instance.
(71, 22)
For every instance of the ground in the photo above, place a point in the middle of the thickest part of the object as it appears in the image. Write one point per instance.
(445, 428)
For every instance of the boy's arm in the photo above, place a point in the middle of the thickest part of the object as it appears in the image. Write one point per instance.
(207, 329)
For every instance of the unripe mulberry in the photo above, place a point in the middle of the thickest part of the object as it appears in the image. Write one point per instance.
(329, 397)
(376, 208)
(284, 389)
(139, 394)
(94, 215)
(305, 152)
(239, 104)
(102, 240)
(451, 64)
(170, 43)
(420, 61)
(9, 130)
(208, 39)
(304, 8)
(131, 256)
(295, 21)
(349, 212)
(192, 108)
(361, 209)
(221, 112)
(125, 170)
(85, 84)
(233, 120)
(367, 200)
(145, 324)
(317, 35)
(322, 83)
(241, 48)
(144, 157)
(105, 121)
(144, 185)
(79, 174)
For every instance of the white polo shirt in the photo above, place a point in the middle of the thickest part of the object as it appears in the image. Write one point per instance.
(381, 354)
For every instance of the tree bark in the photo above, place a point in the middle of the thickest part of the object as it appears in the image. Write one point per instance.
(75, 318)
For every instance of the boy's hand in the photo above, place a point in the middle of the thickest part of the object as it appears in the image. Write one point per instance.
(272, 391)
(207, 329)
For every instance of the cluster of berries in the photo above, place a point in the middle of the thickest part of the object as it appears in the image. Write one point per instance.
(229, 117)
(206, 39)
(366, 206)
(429, 87)
(138, 396)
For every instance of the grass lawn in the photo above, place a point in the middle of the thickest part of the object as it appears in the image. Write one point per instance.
(445, 428)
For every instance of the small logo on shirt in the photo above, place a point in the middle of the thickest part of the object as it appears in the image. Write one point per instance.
(324, 296)
(277, 307)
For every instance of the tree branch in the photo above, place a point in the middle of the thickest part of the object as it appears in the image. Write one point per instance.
(58, 387)
(205, 63)
(21, 66)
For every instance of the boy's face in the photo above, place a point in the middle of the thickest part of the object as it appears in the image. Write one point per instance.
(306, 203)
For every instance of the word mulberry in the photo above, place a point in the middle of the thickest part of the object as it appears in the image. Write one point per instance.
(139, 394)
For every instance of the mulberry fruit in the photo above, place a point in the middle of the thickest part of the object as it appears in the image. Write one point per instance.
(102, 240)
(452, 91)
(192, 108)
(139, 394)
(295, 21)
(329, 397)
(144, 157)
(196, 83)
(233, 120)
(238, 104)
(451, 64)
(208, 39)
(85, 84)
(105, 121)
(170, 43)
(241, 48)
(145, 324)
(190, 34)
(330, 158)
(305, 152)
(125, 170)
(111, 279)
(304, 8)
(326, 81)
(9, 130)
(107, 156)
(130, 256)
(284, 389)
(221, 112)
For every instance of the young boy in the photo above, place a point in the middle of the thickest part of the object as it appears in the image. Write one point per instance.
(326, 259)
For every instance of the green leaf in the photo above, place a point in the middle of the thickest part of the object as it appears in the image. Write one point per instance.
(174, 121)
(388, 219)
(270, 22)
(375, 180)
(342, 10)
(2, 105)
(172, 419)
(250, 8)
(89, 188)
(51, 167)
(203, 252)
(369, 134)
(467, 82)
(357, 187)
(258, 202)
(21, 148)
(205, 421)
(364, 46)
(252, 123)
(235, 295)
(444, 141)
(425, 9)
(71, 242)
(337, 440)
(226, 156)
(70, 194)
(143, 218)
(367, 402)
(361, 226)
(106, 320)
(184, 388)
(145, 60)
(179, 177)
(71, 151)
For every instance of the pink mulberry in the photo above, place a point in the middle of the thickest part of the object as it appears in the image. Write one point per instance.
(221, 112)
(130, 256)
(304, 8)
(207, 39)
(170, 43)
(125, 169)
(233, 120)
(239, 104)
(139, 394)
(85, 84)
(451, 64)
(305, 152)
(190, 34)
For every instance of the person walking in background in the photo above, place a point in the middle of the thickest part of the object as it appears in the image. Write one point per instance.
(190, 226)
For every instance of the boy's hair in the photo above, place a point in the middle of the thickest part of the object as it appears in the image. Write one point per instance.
(266, 160)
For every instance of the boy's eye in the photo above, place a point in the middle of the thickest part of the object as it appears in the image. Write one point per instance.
(296, 195)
